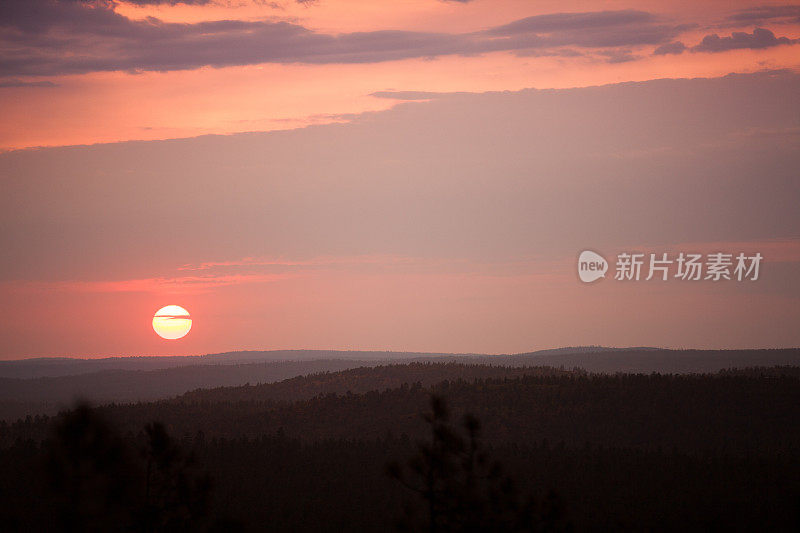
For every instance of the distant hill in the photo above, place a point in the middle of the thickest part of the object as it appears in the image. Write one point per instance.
(594, 358)
(521, 404)
(71, 366)
(46, 395)
(132, 379)
(437, 375)
(648, 360)
(365, 379)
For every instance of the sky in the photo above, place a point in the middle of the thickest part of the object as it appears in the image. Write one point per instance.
(414, 175)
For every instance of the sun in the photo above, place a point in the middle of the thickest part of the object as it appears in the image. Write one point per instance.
(172, 322)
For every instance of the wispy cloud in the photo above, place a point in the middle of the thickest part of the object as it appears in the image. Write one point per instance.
(253, 262)
(675, 47)
(410, 95)
(9, 83)
(178, 284)
(762, 14)
(168, 2)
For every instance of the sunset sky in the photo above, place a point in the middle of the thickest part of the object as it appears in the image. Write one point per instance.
(413, 175)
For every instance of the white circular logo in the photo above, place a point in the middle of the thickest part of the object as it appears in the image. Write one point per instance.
(591, 266)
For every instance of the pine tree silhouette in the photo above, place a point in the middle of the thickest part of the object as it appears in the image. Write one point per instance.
(97, 481)
(462, 489)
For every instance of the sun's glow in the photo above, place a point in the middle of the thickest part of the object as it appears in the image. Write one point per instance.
(172, 322)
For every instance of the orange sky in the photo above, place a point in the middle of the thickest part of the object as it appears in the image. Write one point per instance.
(414, 222)
(116, 106)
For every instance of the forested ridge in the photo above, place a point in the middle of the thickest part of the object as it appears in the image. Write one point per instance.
(626, 451)
(43, 386)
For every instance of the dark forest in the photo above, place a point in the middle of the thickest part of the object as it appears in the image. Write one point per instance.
(421, 446)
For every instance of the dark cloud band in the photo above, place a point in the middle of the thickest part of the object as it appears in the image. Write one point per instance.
(760, 38)
(56, 37)
(44, 37)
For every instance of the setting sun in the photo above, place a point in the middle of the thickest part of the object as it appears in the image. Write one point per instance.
(172, 322)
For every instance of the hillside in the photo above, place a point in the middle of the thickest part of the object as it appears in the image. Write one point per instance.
(737, 411)
(46, 395)
(128, 380)
(619, 452)
(592, 358)
(364, 379)
(71, 366)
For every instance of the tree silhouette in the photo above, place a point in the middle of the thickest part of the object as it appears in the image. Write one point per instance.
(462, 489)
(91, 474)
(176, 496)
(98, 483)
